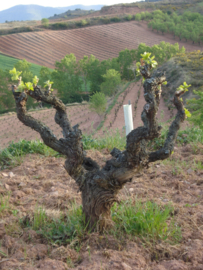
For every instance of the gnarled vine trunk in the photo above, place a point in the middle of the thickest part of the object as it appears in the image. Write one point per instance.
(100, 186)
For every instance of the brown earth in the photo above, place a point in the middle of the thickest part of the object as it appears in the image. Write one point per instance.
(42, 181)
(103, 41)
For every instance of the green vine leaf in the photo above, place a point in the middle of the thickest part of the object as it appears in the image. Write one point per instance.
(184, 87)
(187, 113)
(29, 86)
(138, 68)
(21, 87)
(15, 74)
(48, 83)
(149, 60)
(35, 80)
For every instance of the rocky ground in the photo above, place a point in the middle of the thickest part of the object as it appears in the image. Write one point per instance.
(42, 181)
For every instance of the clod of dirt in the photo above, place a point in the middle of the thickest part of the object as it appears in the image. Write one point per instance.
(171, 265)
(96, 241)
(49, 264)
(30, 236)
(63, 254)
(195, 253)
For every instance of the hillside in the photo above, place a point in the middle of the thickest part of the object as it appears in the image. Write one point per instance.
(7, 62)
(183, 67)
(36, 12)
(103, 41)
(13, 130)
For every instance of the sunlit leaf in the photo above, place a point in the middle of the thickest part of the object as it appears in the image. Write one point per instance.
(35, 80)
(187, 113)
(29, 86)
(21, 87)
(15, 74)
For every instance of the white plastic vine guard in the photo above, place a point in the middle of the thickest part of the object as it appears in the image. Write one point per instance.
(128, 118)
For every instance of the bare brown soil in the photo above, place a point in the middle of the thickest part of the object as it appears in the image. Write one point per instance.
(103, 41)
(43, 181)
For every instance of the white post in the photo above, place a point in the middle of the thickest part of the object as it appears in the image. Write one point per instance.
(128, 118)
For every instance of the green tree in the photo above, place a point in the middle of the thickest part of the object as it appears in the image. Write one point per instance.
(129, 17)
(197, 109)
(24, 66)
(66, 79)
(194, 36)
(6, 99)
(98, 103)
(27, 76)
(45, 22)
(85, 68)
(45, 75)
(125, 59)
(112, 80)
(138, 17)
(185, 34)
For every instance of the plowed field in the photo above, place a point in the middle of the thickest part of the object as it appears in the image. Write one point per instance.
(13, 130)
(103, 41)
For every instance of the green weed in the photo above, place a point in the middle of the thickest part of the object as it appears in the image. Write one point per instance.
(4, 204)
(147, 220)
(61, 230)
(12, 155)
(109, 140)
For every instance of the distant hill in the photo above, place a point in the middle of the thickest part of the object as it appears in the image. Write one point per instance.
(36, 12)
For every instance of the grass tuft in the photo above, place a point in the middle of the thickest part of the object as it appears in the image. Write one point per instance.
(109, 140)
(62, 230)
(12, 155)
(146, 220)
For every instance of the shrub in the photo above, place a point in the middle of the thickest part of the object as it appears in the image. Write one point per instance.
(129, 17)
(115, 19)
(45, 22)
(98, 103)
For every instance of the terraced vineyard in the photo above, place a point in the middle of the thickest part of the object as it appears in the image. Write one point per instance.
(13, 130)
(103, 41)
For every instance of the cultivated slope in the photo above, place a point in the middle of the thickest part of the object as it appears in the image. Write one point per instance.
(103, 41)
(13, 130)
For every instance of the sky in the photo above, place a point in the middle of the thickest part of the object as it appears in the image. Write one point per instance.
(59, 3)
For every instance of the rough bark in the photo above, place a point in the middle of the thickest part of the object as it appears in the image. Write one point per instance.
(100, 186)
